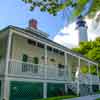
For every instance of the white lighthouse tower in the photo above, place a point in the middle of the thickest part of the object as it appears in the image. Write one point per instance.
(82, 29)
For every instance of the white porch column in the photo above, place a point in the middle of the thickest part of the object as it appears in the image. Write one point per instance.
(5, 86)
(69, 70)
(66, 72)
(90, 77)
(44, 90)
(5, 82)
(45, 75)
(46, 54)
(78, 84)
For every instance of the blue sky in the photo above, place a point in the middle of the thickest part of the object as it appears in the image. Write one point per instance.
(15, 12)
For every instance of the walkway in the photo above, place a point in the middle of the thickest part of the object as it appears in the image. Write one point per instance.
(91, 97)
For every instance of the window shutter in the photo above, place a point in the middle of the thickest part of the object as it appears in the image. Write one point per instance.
(35, 60)
(25, 58)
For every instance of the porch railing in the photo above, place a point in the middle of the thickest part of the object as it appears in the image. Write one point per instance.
(88, 79)
(41, 71)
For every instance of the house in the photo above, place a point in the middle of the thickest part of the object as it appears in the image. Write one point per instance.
(33, 66)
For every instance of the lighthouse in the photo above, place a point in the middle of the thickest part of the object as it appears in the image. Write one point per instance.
(82, 29)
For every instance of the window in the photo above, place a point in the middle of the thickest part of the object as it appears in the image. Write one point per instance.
(60, 70)
(49, 48)
(61, 53)
(35, 62)
(31, 42)
(52, 60)
(55, 50)
(40, 45)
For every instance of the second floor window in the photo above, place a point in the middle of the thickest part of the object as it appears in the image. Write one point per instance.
(60, 70)
(24, 65)
(35, 62)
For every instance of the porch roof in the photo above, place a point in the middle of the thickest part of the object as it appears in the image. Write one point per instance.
(34, 32)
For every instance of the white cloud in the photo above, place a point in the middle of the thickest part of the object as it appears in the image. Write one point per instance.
(68, 35)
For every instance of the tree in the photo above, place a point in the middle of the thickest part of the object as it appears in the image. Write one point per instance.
(55, 6)
(94, 54)
(90, 49)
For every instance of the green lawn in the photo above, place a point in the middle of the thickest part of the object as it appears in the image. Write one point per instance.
(98, 99)
(98, 92)
(60, 97)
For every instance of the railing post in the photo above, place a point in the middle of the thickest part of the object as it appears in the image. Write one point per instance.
(5, 85)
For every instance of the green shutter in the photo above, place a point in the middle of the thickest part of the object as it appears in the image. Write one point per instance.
(25, 58)
(35, 60)
(24, 66)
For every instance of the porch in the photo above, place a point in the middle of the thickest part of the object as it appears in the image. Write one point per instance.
(17, 68)
(52, 73)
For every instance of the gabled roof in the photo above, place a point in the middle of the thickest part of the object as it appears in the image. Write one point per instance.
(34, 32)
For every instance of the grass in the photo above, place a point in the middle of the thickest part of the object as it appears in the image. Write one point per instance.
(60, 97)
(98, 99)
(98, 92)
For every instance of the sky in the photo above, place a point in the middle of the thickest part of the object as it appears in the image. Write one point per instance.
(15, 12)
